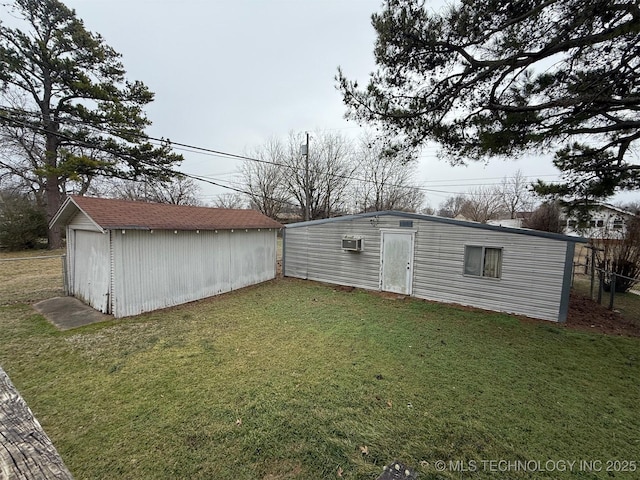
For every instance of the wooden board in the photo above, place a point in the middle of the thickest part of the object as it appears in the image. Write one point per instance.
(26, 452)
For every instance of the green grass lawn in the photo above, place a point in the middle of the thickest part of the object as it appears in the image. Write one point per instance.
(293, 379)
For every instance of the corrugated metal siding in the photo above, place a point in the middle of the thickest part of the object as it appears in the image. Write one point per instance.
(295, 247)
(163, 268)
(90, 277)
(532, 267)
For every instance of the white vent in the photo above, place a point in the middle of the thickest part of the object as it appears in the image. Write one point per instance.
(352, 244)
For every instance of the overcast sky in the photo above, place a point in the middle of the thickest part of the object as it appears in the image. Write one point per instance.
(230, 74)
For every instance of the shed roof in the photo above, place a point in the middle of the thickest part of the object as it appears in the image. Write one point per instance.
(108, 214)
(436, 219)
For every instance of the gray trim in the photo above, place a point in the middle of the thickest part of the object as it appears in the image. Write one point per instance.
(284, 247)
(566, 283)
(450, 221)
(134, 227)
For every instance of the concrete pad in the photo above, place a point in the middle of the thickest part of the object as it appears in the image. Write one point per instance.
(69, 312)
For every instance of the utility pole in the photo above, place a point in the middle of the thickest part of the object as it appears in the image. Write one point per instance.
(307, 192)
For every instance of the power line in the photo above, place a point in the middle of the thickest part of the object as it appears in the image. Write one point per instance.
(205, 150)
(168, 170)
(492, 178)
(218, 153)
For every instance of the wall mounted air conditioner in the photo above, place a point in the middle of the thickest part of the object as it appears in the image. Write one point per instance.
(352, 244)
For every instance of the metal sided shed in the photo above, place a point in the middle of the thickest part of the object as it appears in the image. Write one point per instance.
(125, 258)
(512, 270)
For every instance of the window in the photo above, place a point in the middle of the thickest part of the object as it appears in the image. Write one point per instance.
(483, 261)
(600, 223)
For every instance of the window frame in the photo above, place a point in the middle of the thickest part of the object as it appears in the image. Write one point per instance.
(483, 257)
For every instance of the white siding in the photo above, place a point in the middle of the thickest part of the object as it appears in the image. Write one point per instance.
(90, 268)
(315, 253)
(163, 268)
(81, 222)
(533, 268)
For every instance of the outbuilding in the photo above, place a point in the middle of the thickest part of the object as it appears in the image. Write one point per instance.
(126, 257)
(504, 269)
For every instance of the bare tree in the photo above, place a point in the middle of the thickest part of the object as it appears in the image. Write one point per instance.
(547, 218)
(20, 152)
(621, 257)
(633, 207)
(384, 178)
(326, 177)
(516, 194)
(230, 200)
(428, 210)
(482, 204)
(452, 206)
(490, 203)
(333, 175)
(264, 178)
(180, 190)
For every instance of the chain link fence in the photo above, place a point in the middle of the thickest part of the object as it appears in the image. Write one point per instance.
(27, 279)
(602, 281)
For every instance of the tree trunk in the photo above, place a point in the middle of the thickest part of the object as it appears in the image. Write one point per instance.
(54, 200)
(52, 189)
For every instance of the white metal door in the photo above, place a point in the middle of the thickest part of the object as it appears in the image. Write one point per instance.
(396, 258)
(91, 275)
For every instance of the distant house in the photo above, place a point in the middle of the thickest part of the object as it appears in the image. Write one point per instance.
(125, 258)
(605, 222)
(495, 268)
(520, 221)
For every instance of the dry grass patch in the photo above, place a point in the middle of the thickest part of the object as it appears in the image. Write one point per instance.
(30, 280)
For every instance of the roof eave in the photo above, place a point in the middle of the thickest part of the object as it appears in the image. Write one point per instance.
(453, 221)
(190, 229)
(66, 212)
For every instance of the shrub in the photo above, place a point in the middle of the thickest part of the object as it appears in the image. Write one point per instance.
(22, 223)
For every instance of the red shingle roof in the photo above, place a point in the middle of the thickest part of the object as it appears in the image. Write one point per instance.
(114, 214)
